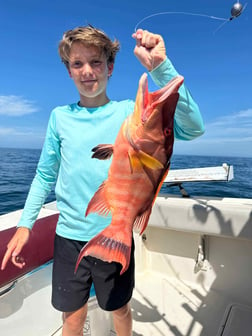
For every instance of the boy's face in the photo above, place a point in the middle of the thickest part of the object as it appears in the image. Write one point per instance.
(90, 72)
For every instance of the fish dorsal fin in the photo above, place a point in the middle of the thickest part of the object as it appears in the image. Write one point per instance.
(141, 221)
(99, 203)
(103, 151)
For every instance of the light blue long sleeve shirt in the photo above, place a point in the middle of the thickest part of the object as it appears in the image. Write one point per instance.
(66, 156)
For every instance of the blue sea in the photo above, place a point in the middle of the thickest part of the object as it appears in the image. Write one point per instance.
(18, 166)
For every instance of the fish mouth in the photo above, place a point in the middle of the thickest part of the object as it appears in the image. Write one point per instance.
(169, 89)
(149, 100)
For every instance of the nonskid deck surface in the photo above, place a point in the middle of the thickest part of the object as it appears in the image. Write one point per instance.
(163, 306)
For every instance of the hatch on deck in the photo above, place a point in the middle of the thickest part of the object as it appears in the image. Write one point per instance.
(237, 321)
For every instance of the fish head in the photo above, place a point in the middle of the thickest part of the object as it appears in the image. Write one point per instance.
(153, 116)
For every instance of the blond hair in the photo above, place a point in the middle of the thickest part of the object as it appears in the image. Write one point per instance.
(89, 36)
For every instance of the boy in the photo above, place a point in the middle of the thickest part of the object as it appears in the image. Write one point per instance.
(73, 130)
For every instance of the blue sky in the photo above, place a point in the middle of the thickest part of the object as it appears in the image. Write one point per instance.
(217, 66)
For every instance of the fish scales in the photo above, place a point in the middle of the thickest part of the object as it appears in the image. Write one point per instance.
(140, 162)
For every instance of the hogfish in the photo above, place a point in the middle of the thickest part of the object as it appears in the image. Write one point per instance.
(140, 162)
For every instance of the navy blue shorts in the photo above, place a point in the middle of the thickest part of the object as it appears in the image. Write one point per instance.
(70, 291)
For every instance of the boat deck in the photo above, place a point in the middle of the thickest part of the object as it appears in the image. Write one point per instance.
(163, 306)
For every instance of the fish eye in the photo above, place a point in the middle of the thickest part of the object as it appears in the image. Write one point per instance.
(167, 132)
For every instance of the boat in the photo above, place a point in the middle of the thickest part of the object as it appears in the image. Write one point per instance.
(193, 269)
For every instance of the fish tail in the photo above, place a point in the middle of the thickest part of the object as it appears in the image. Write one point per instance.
(107, 248)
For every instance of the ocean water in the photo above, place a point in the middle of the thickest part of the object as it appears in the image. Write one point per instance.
(18, 166)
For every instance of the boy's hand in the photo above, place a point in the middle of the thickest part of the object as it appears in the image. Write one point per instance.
(14, 248)
(150, 49)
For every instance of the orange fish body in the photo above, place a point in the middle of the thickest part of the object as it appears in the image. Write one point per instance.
(141, 158)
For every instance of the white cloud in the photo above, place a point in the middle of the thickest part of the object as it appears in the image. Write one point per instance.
(235, 127)
(6, 131)
(21, 137)
(22, 132)
(229, 135)
(15, 106)
(224, 140)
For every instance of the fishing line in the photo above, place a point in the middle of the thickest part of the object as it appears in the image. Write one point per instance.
(178, 13)
(236, 10)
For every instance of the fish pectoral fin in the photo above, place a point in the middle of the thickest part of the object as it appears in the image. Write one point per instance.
(107, 248)
(103, 151)
(149, 161)
(135, 163)
(141, 221)
(139, 158)
(98, 203)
